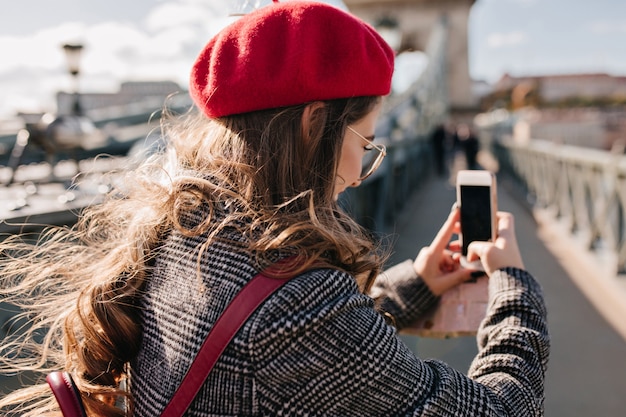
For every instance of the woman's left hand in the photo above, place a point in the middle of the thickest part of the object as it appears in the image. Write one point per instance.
(437, 265)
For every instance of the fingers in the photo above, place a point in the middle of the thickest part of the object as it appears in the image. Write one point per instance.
(440, 242)
(455, 246)
(450, 280)
(478, 250)
(504, 252)
(506, 222)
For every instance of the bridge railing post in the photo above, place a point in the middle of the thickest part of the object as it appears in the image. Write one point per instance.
(583, 188)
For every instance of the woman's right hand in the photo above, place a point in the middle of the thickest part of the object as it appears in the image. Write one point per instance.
(502, 253)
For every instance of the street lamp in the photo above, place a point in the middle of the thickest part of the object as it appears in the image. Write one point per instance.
(72, 53)
(66, 132)
(75, 130)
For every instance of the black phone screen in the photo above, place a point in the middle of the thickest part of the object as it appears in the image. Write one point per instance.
(475, 214)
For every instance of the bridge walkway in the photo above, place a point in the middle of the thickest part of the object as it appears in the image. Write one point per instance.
(587, 368)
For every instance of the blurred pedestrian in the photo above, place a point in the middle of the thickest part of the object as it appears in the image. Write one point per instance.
(439, 141)
(470, 145)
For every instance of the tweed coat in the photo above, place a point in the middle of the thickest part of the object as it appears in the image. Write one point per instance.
(319, 347)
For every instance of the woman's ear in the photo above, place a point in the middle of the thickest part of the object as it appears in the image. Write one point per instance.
(308, 117)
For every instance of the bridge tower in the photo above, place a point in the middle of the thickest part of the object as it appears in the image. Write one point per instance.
(413, 21)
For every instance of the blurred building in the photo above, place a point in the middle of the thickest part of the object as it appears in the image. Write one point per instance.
(576, 109)
(560, 90)
(129, 93)
(577, 127)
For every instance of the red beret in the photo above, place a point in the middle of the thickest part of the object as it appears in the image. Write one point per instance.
(290, 53)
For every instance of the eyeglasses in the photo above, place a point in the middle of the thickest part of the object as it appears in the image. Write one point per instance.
(372, 162)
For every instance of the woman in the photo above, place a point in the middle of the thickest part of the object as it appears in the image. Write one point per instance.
(289, 97)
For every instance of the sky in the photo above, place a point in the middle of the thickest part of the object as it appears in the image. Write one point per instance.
(126, 40)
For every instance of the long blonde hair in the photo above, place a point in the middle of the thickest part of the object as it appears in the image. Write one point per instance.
(79, 287)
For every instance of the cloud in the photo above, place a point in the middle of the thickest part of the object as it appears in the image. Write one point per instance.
(606, 27)
(22, 90)
(162, 46)
(185, 13)
(42, 49)
(500, 40)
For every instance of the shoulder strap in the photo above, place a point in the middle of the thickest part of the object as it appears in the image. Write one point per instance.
(237, 312)
(66, 394)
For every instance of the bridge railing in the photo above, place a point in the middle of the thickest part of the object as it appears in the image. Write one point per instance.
(581, 187)
(404, 126)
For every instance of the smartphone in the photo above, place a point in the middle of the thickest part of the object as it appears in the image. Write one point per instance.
(460, 310)
(477, 200)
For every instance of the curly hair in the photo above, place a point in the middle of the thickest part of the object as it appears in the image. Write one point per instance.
(79, 287)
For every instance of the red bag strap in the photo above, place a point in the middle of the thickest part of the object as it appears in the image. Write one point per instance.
(230, 321)
(66, 393)
(234, 316)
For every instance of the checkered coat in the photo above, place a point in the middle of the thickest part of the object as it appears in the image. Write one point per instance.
(318, 347)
